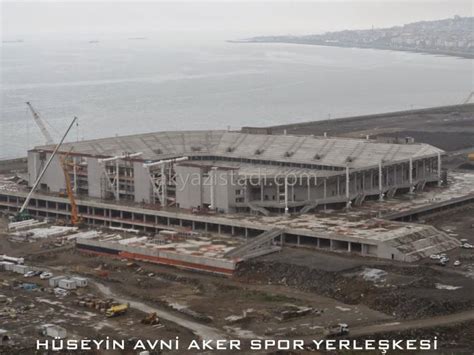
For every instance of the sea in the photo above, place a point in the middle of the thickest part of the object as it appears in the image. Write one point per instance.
(122, 86)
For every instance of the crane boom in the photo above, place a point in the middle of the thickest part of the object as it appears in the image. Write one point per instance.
(38, 179)
(468, 98)
(40, 124)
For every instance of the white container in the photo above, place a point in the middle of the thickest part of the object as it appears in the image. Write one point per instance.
(4, 266)
(8, 265)
(20, 269)
(54, 331)
(80, 281)
(67, 284)
(54, 281)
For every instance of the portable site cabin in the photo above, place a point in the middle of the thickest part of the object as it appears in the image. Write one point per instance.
(67, 284)
(20, 269)
(6, 266)
(54, 281)
(80, 281)
(54, 331)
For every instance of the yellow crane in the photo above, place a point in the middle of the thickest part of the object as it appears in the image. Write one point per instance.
(75, 219)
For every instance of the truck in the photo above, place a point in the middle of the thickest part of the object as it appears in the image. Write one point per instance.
(117, 310)
(337, 330)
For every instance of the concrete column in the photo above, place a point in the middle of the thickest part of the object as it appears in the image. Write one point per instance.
(331, 244)
(309, 190)
(163, 185)
(318, 242)
(286, 194)
(219, 229)
(205, 227)
(324, 192)
(297, 240)
(410, 174)
(246, 231)
(439, 169)
(337, 187)
(232, 230)
(349, 247)
(261, 191)
(380, 182)
(117, 180)
(395, 174)
(193, 225)
(348, 195)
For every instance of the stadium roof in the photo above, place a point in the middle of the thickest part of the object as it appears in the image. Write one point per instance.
(322, 151)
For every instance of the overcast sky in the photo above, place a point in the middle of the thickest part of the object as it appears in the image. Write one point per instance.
(219, 18)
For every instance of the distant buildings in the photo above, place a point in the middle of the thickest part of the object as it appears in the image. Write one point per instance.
(454, 35)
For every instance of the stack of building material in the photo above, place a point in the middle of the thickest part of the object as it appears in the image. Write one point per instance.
(24, 225)
(51, 232)
(83, 235)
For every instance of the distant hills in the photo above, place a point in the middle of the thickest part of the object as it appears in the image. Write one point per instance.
(452, 36)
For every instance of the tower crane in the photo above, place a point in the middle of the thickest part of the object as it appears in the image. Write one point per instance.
(40, 123)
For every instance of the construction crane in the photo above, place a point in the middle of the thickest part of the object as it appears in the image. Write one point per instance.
(40, 124)
(23, 213)
(75, 219)
(468, 98)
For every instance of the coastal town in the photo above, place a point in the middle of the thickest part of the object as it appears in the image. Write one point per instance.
(452, 36)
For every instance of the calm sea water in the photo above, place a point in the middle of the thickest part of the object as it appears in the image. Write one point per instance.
(119, 87)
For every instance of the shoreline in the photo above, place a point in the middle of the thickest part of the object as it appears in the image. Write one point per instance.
(462, 55)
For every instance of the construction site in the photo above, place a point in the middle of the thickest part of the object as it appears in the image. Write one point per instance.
(281, 232)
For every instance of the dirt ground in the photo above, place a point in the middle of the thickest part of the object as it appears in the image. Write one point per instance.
(259, 302)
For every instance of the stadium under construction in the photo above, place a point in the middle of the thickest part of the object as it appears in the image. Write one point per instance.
(232, 183)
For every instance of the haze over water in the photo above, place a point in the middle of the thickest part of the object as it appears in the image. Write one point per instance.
(134, 86)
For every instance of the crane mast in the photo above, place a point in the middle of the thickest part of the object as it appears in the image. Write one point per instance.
(40, 124)
(70, 193)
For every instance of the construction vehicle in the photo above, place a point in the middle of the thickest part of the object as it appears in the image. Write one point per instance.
(337, 331)
(117, 310)
(75, 219)
(23, 214)
(151, 319)
(40, 124)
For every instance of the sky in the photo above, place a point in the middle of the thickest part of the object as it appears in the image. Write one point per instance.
(224, 18)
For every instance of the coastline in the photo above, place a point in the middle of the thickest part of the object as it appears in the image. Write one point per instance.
(462, 55)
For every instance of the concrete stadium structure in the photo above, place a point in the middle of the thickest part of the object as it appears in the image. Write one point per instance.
(241, 184)
(238, 172)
